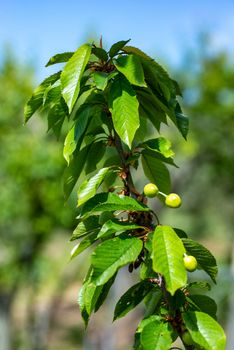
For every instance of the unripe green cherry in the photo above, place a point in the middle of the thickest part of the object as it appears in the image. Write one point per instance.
(190, 263)
(187, 339)
(151, 190)
(173, 200)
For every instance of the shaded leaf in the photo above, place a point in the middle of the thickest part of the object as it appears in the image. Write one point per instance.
(105, 290)
(150, 108)
(84, 244)
(203, 303)
(152, 301)
(36, 100)
(132, 298)
(204, 257)
(100, 53)
(200, 284)
(56, 117)
(182, 121)
(52, 94)
(96, 153)
(116, 47)
(91, 297)
(90, 225)
(156, 172)
(74, 169)
(154, 153)
(76, 134)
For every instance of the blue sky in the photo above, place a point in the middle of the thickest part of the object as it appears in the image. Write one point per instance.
(38, 29)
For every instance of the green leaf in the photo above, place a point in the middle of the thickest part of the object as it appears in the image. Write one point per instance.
(84, 99)
(100, 80)
(157, 335)
(155, 153)
(89, 188)
(72, 73)
(147, 321)
(134, 50)
(74, 169)
(52, 94)
(105, 290)
(112, 254)
(178, 300)
(100, 53)
(160, 144)
(156, 172)
(110, 202)
(158, 79)
(56, 117)
(75, 136)
(91, 297)
(130, 66)
(96, 153)
(36, 100)
(132, 298)
(146, 270)
(81, 302)
(180, 233)
(124, 105)
(59, 58)
(84, 244)
(116, 47)
(91, 225)
(204, 330)
(163, 88)
(111, 227)
(150, 107)
(203, 303)
(156, 74)
(201, 284)
(204, 257)
(69, 144)
(152, 301)
(168, 252)
(182, 121)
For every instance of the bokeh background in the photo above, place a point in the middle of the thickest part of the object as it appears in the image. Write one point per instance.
(38, 284)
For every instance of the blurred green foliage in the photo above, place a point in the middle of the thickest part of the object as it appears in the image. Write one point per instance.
(31, 200)
(206, 160)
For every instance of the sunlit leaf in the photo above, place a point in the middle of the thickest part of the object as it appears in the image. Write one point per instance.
(112, 254)
(168, 252)
(72, 73)
(124, 105)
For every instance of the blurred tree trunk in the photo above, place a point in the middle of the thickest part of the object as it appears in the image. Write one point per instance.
(5, 321)
(38, 321)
